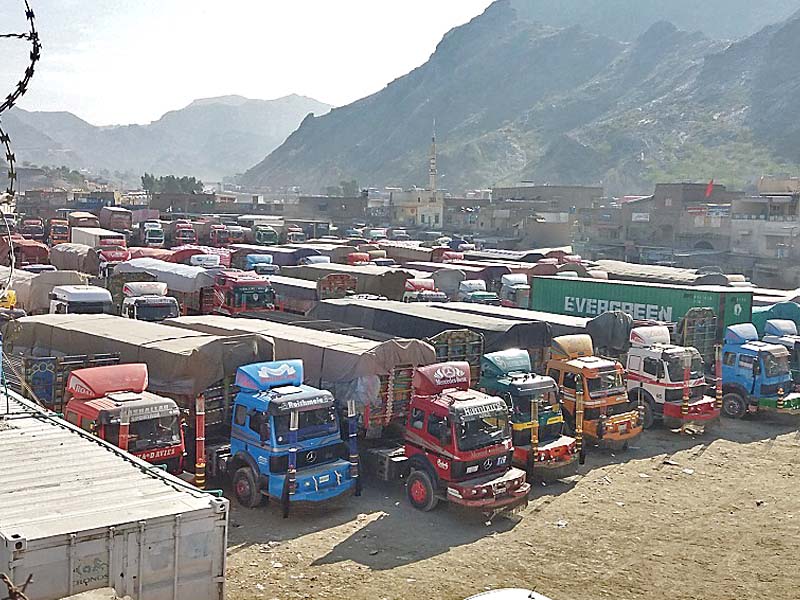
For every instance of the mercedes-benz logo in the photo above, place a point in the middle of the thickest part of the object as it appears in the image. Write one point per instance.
(311, 457)
(487, 464)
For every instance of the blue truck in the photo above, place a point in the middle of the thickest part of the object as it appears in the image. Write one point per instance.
(755, 374)
(285, 441)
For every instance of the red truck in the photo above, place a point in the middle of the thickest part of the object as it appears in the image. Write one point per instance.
(180, 232)
(32, 229)
(26, 252)
(112, 403)
(456, 445)
(212, 234)
(58, 232)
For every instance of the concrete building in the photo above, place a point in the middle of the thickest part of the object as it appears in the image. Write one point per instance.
(552, 198)
(417, 207)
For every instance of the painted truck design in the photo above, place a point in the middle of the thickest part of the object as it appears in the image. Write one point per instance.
(537, 422)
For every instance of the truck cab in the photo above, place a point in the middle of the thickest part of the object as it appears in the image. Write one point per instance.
(151, 234)
(474, 290)
(422, 290)
(264, 235)
(294, 235)
(148, 301)
(458, 444)
(610, 418)
(242, 291)
(32, 229)
(755, 374)
(58, 232)
(112, 403)
(784, 333)
(262, 264)
(515, 291)
(658, 376)
(356, 259)
(285, 441)
(80, 299)
(509, 374)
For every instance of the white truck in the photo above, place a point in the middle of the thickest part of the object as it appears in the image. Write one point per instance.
(783, 332)
(111, 246)
(659, 376)
(148, 301)
(81, 299)
(515, 291)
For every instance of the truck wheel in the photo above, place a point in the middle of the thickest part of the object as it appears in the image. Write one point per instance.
(733, 406)
(649, 417)
(245, 488)
(420, 491)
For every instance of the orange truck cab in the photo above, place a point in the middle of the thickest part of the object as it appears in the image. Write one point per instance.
(58, 232)
(609, 418)
(112, 403)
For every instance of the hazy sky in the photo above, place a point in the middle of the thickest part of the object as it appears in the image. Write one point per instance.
(129, 61)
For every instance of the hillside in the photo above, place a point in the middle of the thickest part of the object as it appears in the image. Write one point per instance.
(514, 99)
(210, 138)
(628, 19)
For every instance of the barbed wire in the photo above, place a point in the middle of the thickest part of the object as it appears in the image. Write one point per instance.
(35, 54)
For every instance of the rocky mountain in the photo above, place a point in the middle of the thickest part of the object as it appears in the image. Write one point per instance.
(210, 138)
(628, 19)
(514, 99)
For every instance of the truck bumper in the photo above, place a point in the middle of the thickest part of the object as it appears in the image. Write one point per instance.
(496, 491)
(318, 484)
(554, 461)
(790, 406)
(701, 411)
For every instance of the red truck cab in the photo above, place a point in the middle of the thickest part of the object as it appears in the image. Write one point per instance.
(242, 291)
(458, 444)
(32, 229)
(218, 236)
(112, 403)
(58, 232)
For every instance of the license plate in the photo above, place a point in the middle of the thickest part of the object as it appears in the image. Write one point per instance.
(500, 490)
(623, 427)
(324, 478)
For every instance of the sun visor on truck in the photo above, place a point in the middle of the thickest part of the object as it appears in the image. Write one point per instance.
(260, 377)
(433, 379)
(780, 327)
(740, 334)
(96, 382)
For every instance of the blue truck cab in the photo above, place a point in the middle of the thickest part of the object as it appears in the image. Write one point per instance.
(285, 441)
(755, 374)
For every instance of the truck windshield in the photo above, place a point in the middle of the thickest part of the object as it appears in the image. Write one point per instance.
(311, 424)
(59, 229)
(606, 382)
(91, 308)
(483, 432)
(154, 433)
(251, 297)
(156, 312)
(775, 365)
(521, 409)
(675, 366)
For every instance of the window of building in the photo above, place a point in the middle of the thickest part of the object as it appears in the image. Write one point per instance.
(436, 219)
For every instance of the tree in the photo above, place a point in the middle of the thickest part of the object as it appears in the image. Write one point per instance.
(170, 184)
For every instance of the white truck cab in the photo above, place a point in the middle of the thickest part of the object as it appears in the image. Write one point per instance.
(207, 261)
(148, 301)
(80, 299)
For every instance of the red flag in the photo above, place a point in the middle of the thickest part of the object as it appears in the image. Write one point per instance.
(710, 189)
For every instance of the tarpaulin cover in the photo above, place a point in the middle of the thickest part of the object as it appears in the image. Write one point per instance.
(290, 287)
(75, 257)
(379, 281)
(33, 293)
(448, 281)
(179, 278)
(559, 324)
(782, 310)
(179, 362)
(326, 356)
(159, 253)
(623, 271)
(423, 321)
(611, 331)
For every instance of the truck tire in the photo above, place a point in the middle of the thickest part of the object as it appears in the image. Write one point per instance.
(245, 488)
(420, 491)
(649, 417)
(733, 405)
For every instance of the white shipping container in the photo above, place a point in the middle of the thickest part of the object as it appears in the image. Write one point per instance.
(79, 514)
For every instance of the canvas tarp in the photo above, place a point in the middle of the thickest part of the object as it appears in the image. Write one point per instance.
(75, 257)
(180, 362)
(611, 331)
(423, 321)
(291, 287)
(331, 357)
(33, 293)
(179, 278)
(559, 324)
(378, 281)
(623, 271)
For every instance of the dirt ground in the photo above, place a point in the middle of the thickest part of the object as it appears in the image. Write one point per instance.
(716, 517)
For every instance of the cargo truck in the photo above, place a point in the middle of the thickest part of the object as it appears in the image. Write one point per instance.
(150, 234)
(784, 332)
(32, 229)
(57, 232)
(610, 419)
(643, 301)
(455, 447)
(180, 232)
(111, 246)
(116, 218)
(284, 441)
(474, 291)
(755, 375)
(515, 291)
(148, 301)
(211, 234)
(82, 219)
(111, 402)
(537, 421)
(668, 381)
(80, 299)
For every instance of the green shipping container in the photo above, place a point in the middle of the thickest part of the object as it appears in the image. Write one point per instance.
(643, 301)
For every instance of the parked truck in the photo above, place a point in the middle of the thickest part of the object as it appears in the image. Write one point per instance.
(211, 234)
(57, 232)
(515, 291)
(180, 232)
(610, 418)
(149, 234)
(110, 245)
(116, 218)
(112, 403)
(668, 381)
(284, 442)
(537, 422)
(784, 332)
(148, 301)
(455, 446)
(80, 299)
(474, 290)
(755, 375)
(423, 290)
(82, 219)
(32, 229)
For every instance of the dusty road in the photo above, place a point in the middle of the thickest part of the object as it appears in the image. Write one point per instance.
(715, 517)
